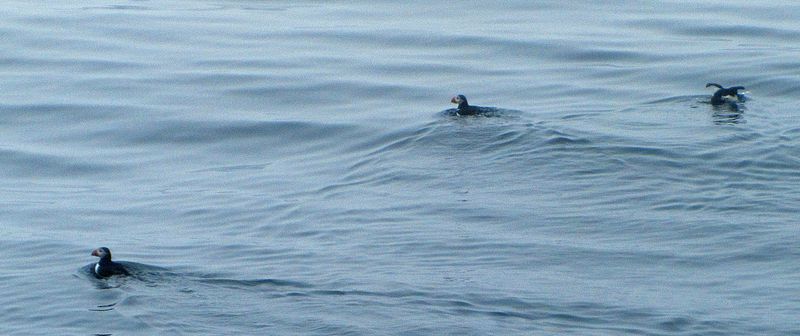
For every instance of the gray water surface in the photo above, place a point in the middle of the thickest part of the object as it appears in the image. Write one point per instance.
(287, 168)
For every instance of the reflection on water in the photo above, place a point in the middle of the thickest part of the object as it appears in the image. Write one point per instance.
(724, 115)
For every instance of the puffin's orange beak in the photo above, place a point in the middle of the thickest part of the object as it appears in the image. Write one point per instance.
(95, 253)
(453, 100)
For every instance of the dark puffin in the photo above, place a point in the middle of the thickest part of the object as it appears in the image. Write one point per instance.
(725, 95)
(464, 108)
(105, 267)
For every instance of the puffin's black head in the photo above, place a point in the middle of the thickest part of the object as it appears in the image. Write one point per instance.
(102, 253)
(461, 100)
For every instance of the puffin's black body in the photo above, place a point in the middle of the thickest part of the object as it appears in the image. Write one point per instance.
(105, 267)
(723, 95)
(464, 108)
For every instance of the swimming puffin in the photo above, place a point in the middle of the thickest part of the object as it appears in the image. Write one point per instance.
(105, 267)
(724, 95)
(464, 108)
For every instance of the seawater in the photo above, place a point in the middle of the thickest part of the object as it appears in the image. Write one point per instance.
(287, 168)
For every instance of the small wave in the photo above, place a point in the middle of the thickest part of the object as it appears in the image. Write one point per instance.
(28, 164)
(36, 113)
(190, 132)
(251, 284)
(233, 168)
(75, 65)
(677, 99)
(119, 7)
(736, 31)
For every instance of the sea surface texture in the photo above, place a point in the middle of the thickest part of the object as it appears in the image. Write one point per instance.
(295, 168)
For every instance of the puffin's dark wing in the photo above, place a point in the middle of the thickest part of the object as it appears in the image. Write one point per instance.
(469, 110)
(119, 269)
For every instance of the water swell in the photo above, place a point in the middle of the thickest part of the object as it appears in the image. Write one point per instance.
(25, 163)
(177, 132)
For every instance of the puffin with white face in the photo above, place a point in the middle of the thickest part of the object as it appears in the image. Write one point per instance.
(464, 108)
(105, 267)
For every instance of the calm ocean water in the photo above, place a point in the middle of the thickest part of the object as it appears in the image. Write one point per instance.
(285, 168)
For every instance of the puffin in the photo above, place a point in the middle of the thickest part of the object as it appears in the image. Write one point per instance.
(105, 267)
(464, 108)
(724, 95)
